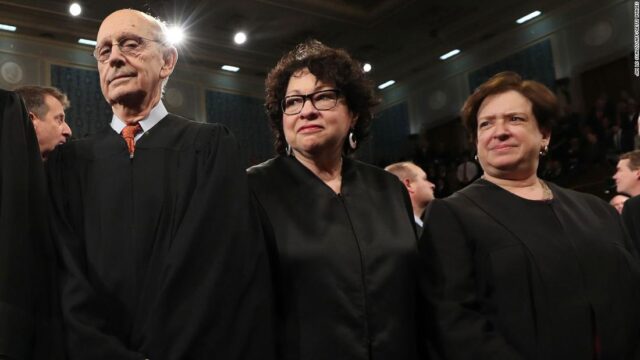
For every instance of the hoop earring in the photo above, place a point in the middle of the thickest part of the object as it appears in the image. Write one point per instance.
(288, 150)
(352, 140)
(545, 150)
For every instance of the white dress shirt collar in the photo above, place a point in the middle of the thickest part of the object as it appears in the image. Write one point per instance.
(157, 113)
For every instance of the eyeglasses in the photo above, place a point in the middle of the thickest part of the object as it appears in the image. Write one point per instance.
(321, 100)
(128, 46)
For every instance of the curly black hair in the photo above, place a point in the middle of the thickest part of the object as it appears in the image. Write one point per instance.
(328, 65)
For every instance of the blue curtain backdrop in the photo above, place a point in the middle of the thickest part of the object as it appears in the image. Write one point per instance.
(89, 112)
(389, 136)
(246, 118)
(534, 62)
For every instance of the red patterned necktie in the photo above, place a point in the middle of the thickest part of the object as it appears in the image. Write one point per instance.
(129, 133)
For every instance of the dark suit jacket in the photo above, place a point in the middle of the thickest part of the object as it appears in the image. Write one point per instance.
(29, 327)
(631, 218)
(512, 278)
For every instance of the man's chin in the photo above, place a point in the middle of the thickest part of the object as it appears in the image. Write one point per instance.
(128, 99)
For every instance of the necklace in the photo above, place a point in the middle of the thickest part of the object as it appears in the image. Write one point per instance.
(546, 192)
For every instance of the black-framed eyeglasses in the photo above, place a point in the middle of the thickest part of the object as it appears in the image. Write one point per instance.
(321, 100)
(128, 45)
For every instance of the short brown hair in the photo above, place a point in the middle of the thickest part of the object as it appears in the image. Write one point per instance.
(543, 101)
(328, 65)
(634, 159)
(34, 95)
(402, 170)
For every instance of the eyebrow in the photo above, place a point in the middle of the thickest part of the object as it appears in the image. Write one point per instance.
(315, 89)
(120, 36)
(509, 113)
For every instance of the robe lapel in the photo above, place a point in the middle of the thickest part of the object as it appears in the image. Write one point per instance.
(486, 197)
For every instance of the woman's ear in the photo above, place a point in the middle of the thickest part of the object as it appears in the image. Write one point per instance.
(546, 136)
(354, 120)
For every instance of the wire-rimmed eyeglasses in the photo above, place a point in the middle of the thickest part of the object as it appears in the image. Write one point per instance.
(128, 45)
(321, 100)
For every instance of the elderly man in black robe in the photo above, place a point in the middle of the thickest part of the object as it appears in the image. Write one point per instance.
(162, 256)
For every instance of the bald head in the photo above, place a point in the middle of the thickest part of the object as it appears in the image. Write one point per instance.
(134, 62)
(133, 21)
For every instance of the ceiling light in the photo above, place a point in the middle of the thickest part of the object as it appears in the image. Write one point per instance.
(386, 84)
(450, 54)
(240, 38)
(230, 68)
(7, 27)
(87, 42)
(174, 35)
(528, 17)
(366, 67)
(75, 9)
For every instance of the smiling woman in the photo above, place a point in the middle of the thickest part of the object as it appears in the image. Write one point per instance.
(520, 268)
(341, 233)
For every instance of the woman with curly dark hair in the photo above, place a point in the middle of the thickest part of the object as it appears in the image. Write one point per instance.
(341, 232)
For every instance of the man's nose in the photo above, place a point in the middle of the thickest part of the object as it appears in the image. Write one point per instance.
(66, 130)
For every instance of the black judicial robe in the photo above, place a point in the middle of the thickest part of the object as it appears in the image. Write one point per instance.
(30, 325)
(513, 278)
(345, 265)
(162, 255)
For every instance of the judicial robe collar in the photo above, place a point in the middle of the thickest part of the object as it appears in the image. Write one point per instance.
(302, 173)
(158, 113)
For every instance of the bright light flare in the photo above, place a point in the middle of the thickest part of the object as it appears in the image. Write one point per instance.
(175, 35)
(230, 68)
(450, 54)
(75, 9)
(528, 17)
(8, 27)
(386, 84)
(240, 38)
(87, 42)
(366, 67)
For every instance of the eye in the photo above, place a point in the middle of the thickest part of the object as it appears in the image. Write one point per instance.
(325, 95)
(104, 50)
(517, 118)
(482, 124)
(129, 44)
(292, 101)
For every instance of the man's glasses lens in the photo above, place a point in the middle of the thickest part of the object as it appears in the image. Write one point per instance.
(321, 100)
(127, 46)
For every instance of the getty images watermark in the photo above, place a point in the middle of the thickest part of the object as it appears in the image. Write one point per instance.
(636, 38)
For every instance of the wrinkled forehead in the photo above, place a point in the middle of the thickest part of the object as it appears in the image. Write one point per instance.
(128, 22)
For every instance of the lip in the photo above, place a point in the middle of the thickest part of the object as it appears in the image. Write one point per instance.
(502, 147)
(309, 128)
(120, 76)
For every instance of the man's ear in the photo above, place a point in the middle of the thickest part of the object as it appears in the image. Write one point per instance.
(407, 184)
(34, 119)
(170, 58)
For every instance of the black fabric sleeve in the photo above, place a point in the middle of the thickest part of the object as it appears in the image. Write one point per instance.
(86, 314)
(25, 294)
(216, 299)
(461, 329)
